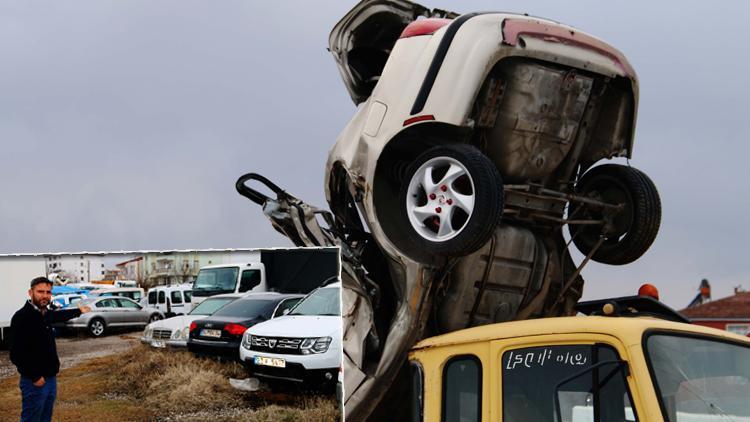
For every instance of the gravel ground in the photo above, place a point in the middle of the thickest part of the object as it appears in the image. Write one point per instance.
(76, 349)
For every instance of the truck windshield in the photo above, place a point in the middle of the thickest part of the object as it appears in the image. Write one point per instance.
(700, 379)
(325, 301)
(213, 281)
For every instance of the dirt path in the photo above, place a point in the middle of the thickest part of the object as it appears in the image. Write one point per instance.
(74, 350)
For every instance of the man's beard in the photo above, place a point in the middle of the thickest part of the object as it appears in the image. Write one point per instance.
(39, 304)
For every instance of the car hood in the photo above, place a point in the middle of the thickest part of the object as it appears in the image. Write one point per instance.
(175, 323)
(299, 326)
(362, 40)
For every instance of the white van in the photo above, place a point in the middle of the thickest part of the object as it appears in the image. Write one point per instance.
(229, 278)
(175, 299)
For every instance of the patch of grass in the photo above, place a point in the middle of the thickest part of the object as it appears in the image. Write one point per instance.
(146, 384)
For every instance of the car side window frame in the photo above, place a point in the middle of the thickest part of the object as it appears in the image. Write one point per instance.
(416, 402)
(283, 305)
(480, 372)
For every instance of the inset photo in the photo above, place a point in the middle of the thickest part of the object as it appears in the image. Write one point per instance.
(190, 335)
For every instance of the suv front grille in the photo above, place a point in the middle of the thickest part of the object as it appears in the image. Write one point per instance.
(281, 345)
(162, 334)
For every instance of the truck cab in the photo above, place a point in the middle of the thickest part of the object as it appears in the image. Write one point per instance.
(628, 359)
(229, 278)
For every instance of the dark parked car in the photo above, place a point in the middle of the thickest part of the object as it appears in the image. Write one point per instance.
(220, 334)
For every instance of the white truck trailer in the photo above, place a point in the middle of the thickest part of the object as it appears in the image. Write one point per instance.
(16, 272)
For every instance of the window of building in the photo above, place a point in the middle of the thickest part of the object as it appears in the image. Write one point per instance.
(462, 389)
(741, 329)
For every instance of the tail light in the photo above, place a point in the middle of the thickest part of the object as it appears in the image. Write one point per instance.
(235, 329)
(424, 27)
(193, 326)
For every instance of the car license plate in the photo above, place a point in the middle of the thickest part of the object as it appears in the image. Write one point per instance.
(210, 333)
(275, 362)
(159, 344)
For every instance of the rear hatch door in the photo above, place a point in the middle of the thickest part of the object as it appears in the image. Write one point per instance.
(362, 40)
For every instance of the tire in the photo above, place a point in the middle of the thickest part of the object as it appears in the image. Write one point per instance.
(154, 317)
(632, 230)
(97, 327)
(471, 198)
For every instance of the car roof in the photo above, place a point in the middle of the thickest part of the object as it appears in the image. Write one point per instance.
(225, 295)
(92, 299)
(630, 330)
(232, 264)
(117, 290)
(270, 296)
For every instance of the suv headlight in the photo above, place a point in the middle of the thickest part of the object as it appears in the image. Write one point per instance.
(315, 345)
(247, 340)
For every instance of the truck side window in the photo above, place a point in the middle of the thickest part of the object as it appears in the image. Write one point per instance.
(152, 298)
(462, 389)
(162, 296)
(530, 378)
(416, 402)
(176, 297)
(250, 279)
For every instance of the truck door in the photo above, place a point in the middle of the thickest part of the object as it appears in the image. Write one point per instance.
(577, 381)
(249, 280)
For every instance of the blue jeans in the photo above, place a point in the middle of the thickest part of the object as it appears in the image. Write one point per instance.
(37, 402)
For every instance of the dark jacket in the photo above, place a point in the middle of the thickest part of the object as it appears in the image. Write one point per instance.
(32, 347)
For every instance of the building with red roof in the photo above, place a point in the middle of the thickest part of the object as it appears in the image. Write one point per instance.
(730, 313)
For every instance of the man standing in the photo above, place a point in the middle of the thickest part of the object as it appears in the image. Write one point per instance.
(33, 350)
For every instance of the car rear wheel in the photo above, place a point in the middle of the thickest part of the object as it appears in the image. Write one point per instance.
(452, 202)
(97, 327)
(627, 233)
(154, 317)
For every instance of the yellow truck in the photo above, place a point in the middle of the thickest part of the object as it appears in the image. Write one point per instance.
(627, 359)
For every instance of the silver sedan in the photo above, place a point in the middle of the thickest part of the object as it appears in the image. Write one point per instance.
(112, 312)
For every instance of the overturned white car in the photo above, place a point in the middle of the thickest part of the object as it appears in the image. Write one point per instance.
(477, 138)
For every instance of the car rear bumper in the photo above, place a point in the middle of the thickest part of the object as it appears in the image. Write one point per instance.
(223, 349)
(172, 344)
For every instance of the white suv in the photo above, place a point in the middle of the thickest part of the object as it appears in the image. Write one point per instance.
(303, 346)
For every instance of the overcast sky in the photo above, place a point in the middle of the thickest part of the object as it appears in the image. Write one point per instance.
(124, 124)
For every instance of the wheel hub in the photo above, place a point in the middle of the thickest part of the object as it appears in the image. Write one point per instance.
(446, 204)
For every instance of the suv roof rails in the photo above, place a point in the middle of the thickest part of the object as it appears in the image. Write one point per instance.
(630, 306)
